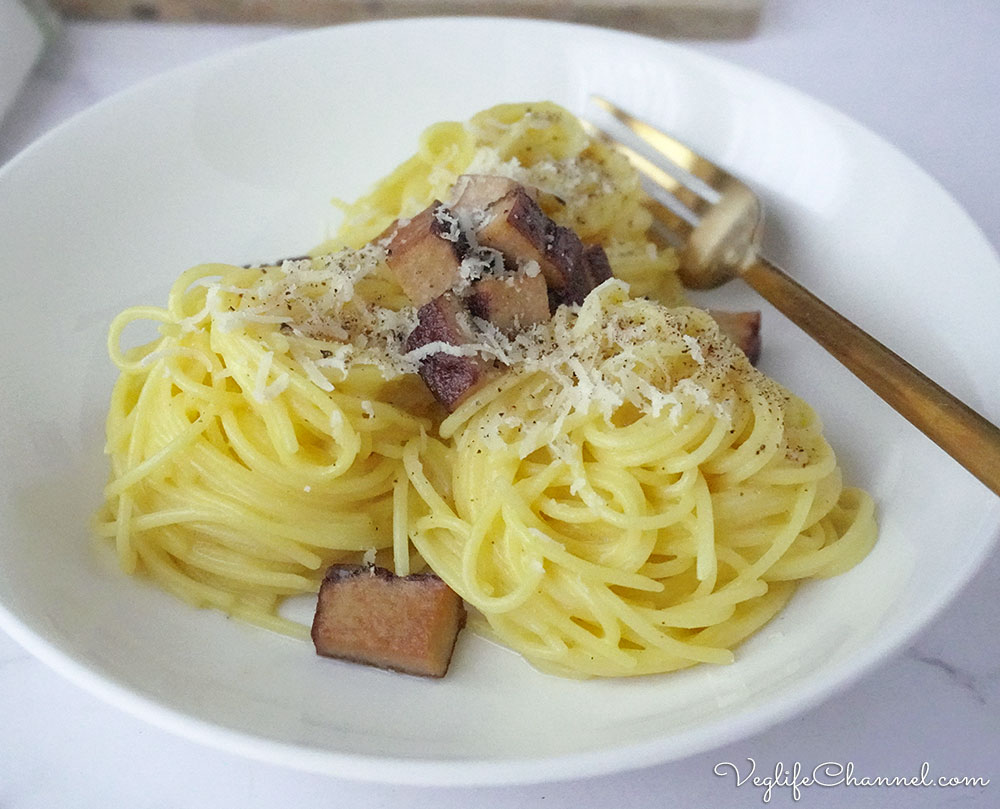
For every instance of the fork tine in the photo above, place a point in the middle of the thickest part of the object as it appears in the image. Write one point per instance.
(669, 229)
(656, 173)
(671, 148)
(685, 194)
(678, 220)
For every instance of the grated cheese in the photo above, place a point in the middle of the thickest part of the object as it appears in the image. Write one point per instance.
(530, 267)
(453, 227)
(479, 261)
(260, 379)
(694, 347)
(263, 392)
(598, 356)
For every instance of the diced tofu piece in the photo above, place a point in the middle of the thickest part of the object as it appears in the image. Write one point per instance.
(583, 267)
(369, 615)
(564, 252)
(519, 229)
(512, 303)
(596, 265)
(474, 193)
(425, 253)
(449, 377)
(743, 328)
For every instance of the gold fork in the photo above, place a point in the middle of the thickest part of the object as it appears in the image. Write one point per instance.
(717, 230)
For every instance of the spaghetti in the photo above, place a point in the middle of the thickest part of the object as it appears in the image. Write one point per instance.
(630, 496)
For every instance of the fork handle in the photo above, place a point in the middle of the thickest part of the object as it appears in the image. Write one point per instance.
(955, 427)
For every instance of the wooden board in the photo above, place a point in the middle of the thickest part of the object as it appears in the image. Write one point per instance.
(689, 18)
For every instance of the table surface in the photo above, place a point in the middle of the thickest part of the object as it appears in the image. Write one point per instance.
(924, 75)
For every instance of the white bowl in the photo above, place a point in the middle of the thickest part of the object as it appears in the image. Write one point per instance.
(234, 159)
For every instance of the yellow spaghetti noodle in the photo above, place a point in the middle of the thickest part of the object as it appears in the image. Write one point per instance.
(588, 187)
(635, 497)
(630, 496)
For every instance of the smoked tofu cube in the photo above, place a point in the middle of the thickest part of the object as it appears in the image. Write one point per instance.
(596, 265)
(474, 193)
(425, 253)
(512, 303)
(564, 252)
(743, 328)
(369, 615)
(451, 378)
(519, 229)
(583, 268)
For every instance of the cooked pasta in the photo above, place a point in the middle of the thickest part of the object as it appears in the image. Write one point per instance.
(243, 461)
(635, 497)
(628, 496)
(589, 187)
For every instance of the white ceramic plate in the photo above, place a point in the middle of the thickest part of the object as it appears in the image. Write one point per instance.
(234, 159)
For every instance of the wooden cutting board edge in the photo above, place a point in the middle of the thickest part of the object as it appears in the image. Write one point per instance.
(666, 18)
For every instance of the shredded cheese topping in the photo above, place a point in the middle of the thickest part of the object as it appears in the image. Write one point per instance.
(603, 354)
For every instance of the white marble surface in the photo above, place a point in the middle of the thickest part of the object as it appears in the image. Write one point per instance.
(923, 74)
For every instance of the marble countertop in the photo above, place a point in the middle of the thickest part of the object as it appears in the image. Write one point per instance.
(925, 76)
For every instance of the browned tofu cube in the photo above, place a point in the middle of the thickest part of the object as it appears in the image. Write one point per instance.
(473, 193)
(511, 303)
(743, 328)
(596, 265)
(425, 253)
(519, 229)
(449, 377)
(369, 615)
(564, 252)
